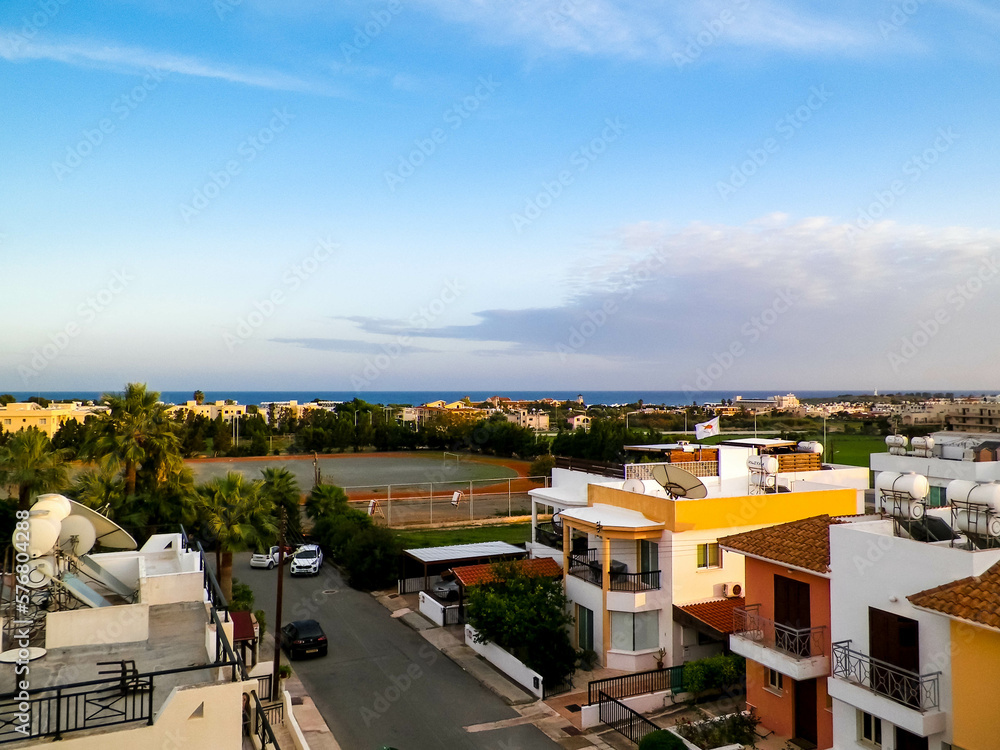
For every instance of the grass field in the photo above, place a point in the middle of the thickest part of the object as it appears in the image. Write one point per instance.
(841, 448)
(516, 533)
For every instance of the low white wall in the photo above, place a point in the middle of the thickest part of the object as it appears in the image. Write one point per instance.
(590, 715)
(436, 612)
(527, 678)
(169, 589)
(292, 724)
(126, 623)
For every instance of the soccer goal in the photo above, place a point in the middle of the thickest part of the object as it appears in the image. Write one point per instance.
(451, 456)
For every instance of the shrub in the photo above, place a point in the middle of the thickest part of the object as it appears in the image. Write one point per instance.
(371, 558)
(542, 466)
(242, 598)
(714, 673)
(661, 740)
(261, 616)
(726, 730)
(586, 659)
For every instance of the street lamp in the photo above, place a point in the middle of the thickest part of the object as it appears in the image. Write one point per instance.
(626, 418)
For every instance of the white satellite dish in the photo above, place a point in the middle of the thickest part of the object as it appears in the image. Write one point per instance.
(634, 485)
(43, 533)
(40, 571)
(77, 536)
(109, 534)
(678, 482)
(55, 504)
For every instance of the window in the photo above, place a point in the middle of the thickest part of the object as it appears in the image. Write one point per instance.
(41, 421)
(774, 680)
(635, 632)
(649, 556)
(585, 628)
(708, 555)
(869, 729)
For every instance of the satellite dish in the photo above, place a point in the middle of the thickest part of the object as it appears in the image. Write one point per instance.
(678, 482)
(77, 536)
(40, 570)
(109, 534)
(43, 533)
(55, 504)
(634, 485)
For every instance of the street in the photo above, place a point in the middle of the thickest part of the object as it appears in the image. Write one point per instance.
(382, 684)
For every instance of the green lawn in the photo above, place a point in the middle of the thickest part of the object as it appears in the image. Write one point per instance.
(514, 533)
(852, 449)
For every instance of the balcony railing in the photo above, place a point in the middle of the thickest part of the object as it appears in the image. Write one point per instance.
(585, 565)
(546, 534)
(919, 692)
(648, 580)
(800, 643)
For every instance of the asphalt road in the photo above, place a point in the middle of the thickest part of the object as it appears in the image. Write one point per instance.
(382, 684)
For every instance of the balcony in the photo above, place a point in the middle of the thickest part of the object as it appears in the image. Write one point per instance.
(797, 653)
(587, 567)
(545, 533)
(904, 698)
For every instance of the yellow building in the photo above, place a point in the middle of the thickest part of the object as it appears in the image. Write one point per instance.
(48, 419)
(220, 408)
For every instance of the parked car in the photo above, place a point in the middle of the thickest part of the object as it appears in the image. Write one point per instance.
(446, 589)
(270, 558)
(303, 638)
(307, 561)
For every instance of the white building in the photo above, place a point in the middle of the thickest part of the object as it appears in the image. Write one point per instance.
(533, 420)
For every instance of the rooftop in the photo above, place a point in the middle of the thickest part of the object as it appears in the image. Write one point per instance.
(716, 613)
(976, 599)
(454, 552)
(473, 575)
(802, 544)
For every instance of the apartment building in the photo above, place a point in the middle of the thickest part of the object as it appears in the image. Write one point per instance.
(228, 411)
(48, 419)
(643, 569)
(531, 419)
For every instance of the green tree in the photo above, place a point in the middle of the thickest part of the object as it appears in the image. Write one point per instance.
(281, 488)
(325, 500)
(199, 397)
(527, 616)
(30, 463)
(7, 399)
(240, 518)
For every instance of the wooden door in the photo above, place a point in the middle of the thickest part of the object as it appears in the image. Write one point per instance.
(791, 614)
(805, 711)
(895, 639)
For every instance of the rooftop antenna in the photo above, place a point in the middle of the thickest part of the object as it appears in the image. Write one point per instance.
(679, 483)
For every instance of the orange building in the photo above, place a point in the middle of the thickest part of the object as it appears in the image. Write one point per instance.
(784, 629)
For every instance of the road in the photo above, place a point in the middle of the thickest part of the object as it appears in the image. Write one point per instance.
(382, 684)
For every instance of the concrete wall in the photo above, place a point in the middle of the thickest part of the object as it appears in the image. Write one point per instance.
(127, 623)
(169, 589)
(527, 678)
(436, 612)
(975, 663)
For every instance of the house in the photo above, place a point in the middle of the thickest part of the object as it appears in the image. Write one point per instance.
(15, 417)
(914, 651)
(532, 420)
(643, 569)
(578, 421)
(783, 630)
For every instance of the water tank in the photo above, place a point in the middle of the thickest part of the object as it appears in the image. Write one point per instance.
(895, 441)
(980, 524)
(810, 446)
(972, 492)
(897, 450)
(923, 443)
(768, 464)
(914, 485)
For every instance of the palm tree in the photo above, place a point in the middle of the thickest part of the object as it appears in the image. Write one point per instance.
(199, 397)
(282, 489)
(136, 435)
(324, 500)
(239, 516)
(29, 462)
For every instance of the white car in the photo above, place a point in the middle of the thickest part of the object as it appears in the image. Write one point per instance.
(307, 561)
(267, 559)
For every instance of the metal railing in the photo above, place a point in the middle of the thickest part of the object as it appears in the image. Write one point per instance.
(262, 725)
(698, 468)
(919, 692)
(623, 719)
(637, 683)
(603, 468)
(648, 580)
(801, 643)
(584, 565)
(264, 684)
(546, 534)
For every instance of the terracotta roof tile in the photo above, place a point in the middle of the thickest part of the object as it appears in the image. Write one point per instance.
(976, 599)
(804, 544)
(717, 613)
(471, 575)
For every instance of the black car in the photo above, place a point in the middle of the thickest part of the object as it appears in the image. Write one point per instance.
(303, 638)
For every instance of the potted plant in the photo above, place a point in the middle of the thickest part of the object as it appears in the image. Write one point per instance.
(284, 671)
(660, 655)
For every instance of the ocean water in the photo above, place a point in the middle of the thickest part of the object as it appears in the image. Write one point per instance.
(650, 397)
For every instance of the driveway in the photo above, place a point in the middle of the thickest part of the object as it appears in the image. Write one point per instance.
(382, 684)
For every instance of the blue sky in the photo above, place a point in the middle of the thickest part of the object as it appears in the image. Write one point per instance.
(499, 194)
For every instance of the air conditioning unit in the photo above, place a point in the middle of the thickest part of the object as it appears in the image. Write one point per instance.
(732, 590)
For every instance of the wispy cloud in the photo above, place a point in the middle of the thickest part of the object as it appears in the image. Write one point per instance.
(346, 346)
(15, 47)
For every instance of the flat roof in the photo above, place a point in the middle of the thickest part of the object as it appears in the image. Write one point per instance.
(759, 442)
(454, 552)
(609, 515)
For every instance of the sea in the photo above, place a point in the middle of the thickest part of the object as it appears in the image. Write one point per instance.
(412, 398)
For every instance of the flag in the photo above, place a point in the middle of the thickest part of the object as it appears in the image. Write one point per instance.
(706, 429)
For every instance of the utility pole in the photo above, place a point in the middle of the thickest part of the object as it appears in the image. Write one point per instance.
(275, 688)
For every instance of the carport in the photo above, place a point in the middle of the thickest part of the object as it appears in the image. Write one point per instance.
(420, 565)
